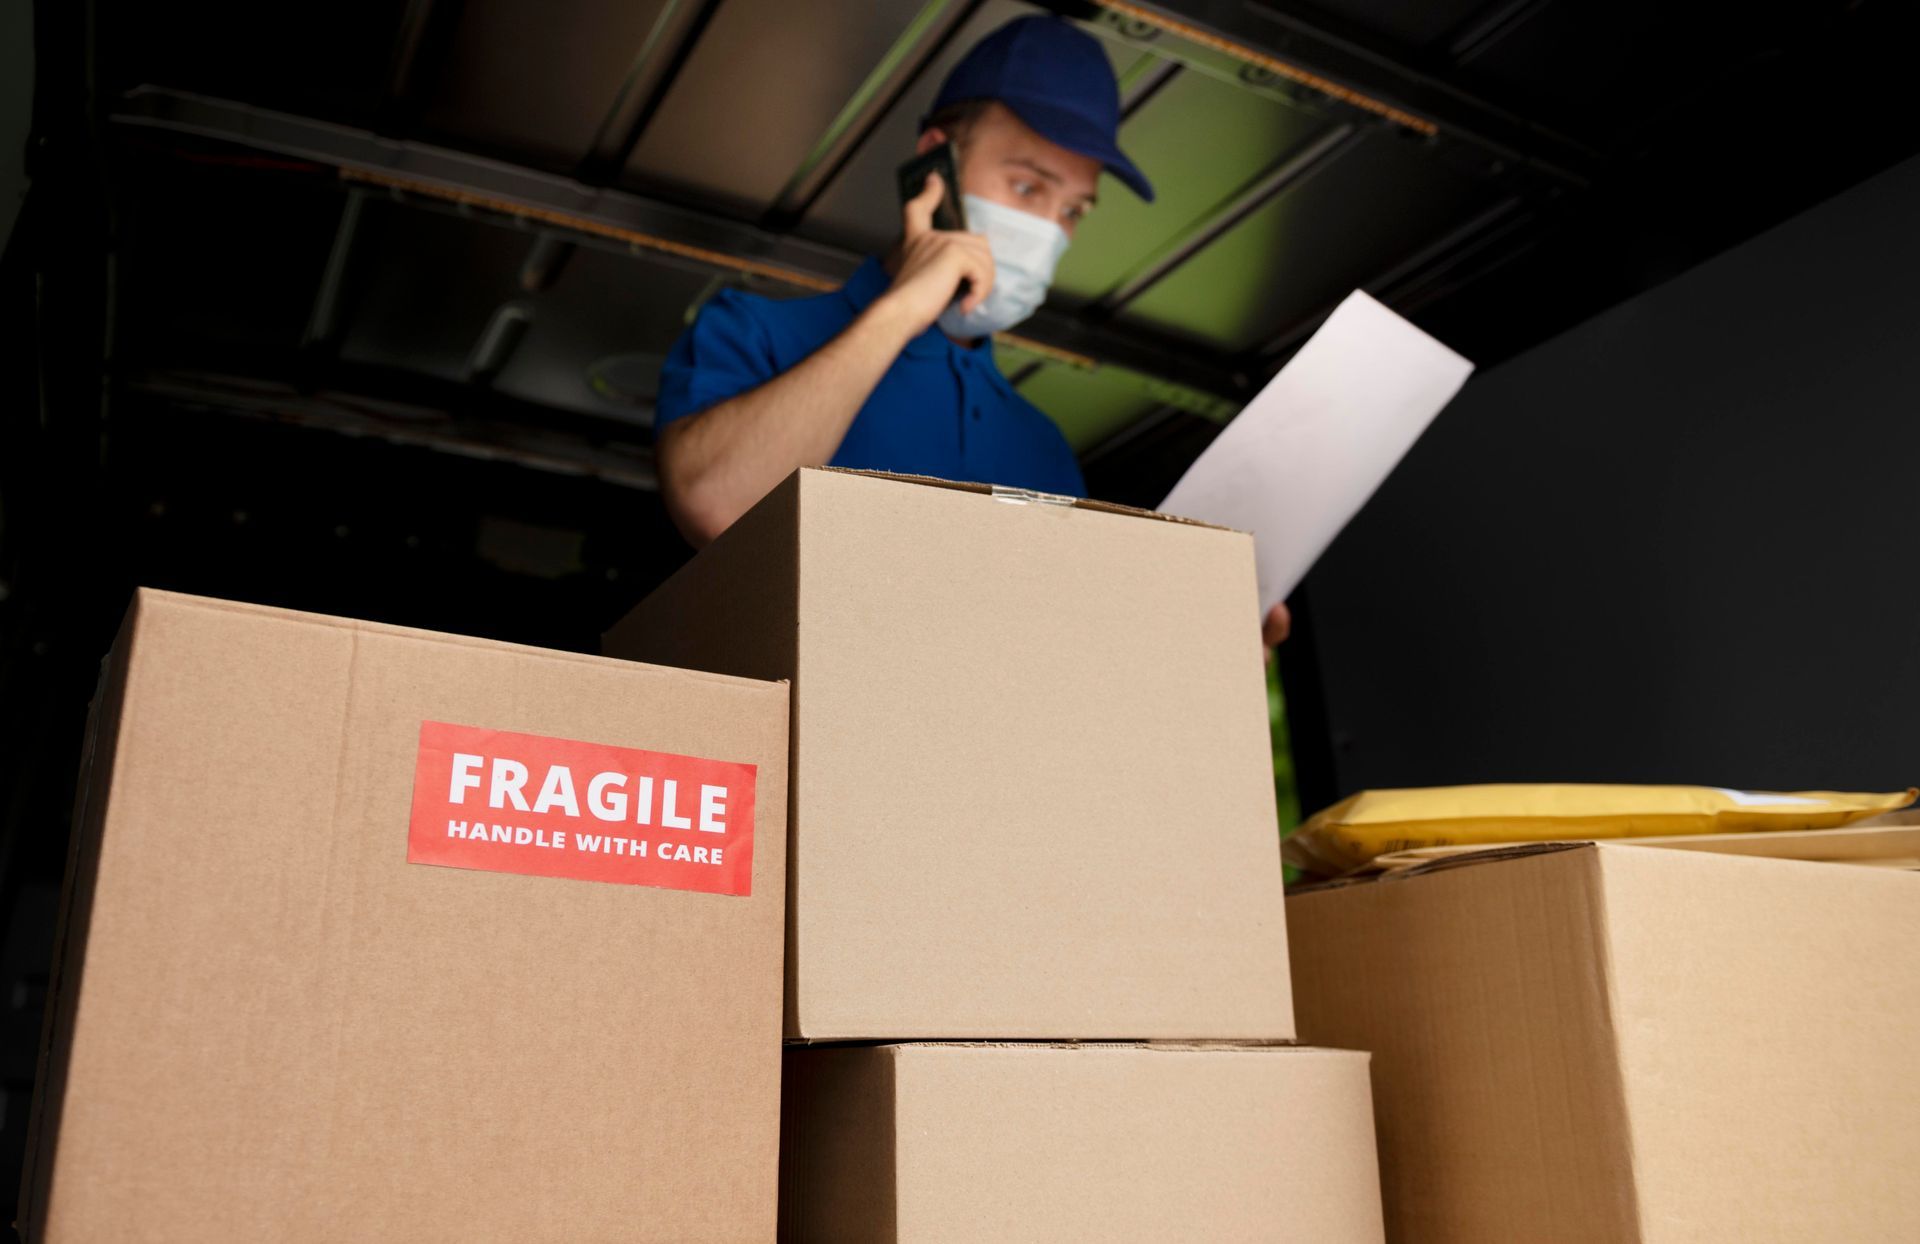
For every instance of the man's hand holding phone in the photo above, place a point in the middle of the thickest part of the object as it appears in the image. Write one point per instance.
(932, 263)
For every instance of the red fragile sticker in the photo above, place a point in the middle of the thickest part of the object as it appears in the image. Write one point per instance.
(524, 803)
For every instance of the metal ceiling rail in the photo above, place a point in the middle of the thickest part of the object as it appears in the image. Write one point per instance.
(668, 246)
(1349, 69)
(700, 237)
(1406, 286)
(1146, 427)
(409, 39)
(1454, 274)
(705, 259)
(664, 53)
(582, 223)
(899, 67)
(1285, 69)
(422, 40)
(523, 442)
(656, 67)
(453, 172)
(323, 323)
(1143, 80)
(1294, 169)
(1441, 253)
(1489, 26)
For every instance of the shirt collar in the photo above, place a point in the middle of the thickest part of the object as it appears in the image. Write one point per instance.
(870, 280)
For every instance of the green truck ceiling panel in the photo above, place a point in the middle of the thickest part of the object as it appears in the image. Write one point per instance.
(1295, 257)
(1128, 61)
(1198, 140)
(1089, 406)
(1092, 403)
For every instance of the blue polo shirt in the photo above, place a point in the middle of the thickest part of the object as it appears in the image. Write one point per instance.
(942, 409)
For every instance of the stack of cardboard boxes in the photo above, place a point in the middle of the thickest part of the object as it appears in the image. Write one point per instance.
(1034, 872)
(375, 933)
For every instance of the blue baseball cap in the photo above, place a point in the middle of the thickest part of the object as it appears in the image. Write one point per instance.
(1055, 78)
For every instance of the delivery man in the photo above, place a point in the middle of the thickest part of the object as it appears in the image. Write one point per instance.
(894, 371)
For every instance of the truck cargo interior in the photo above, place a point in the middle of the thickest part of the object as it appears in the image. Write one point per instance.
(362, 310)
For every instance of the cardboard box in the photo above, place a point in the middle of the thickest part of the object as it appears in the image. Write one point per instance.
(269, 1023)
(1616, 1042)
(1053, 1144)
(1033, 789)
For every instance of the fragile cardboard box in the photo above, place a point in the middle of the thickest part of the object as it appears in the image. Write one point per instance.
(1033, 785)
(1615, 1042)
(269, 1022)
(1065, 1144)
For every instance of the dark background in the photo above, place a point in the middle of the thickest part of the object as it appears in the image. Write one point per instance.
(1673, 542)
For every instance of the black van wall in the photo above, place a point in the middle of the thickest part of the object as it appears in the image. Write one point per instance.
(1678, 543)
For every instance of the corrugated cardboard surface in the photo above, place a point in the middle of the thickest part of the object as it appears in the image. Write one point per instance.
(1768, 1025)
(1480, 993)
(1603, 1043)
(269, 1026)
(1033, 792)
(1107, 1144)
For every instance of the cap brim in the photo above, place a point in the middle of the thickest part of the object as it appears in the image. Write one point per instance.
(1069, 130)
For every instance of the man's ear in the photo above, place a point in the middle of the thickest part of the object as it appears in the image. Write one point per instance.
(929, 139)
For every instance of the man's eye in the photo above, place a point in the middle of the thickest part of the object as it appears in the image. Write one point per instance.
(1024, 189)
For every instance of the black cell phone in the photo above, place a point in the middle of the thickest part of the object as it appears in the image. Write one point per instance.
(913, 179)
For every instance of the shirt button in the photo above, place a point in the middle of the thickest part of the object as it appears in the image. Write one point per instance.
(976, 412)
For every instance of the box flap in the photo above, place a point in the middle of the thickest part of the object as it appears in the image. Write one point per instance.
(1888, 846)
(1002, 492)
(1888, 843)
(148, 597)
(1421, 861)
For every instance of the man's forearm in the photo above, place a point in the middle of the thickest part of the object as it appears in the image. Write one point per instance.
(715, 465)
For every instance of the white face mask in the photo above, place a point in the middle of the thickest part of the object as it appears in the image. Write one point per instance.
(1026, 249)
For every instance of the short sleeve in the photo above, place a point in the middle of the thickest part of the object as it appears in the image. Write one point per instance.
(723, 354)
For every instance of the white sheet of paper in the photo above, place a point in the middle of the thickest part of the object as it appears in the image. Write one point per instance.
(1312, 446)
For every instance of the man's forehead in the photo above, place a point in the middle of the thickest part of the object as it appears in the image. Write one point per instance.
(1008, 139)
